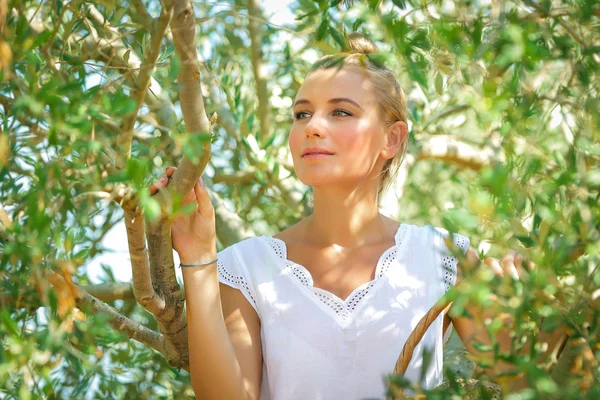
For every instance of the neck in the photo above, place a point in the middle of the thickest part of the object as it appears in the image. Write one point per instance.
(346, 218)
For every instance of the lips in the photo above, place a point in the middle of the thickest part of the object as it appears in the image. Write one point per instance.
(316, 151)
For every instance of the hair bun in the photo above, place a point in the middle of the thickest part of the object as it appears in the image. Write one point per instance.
(359, 43)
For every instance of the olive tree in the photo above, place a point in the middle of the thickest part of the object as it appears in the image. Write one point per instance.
(98, 98)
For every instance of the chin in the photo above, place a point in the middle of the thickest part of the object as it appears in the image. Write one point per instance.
(316, 180)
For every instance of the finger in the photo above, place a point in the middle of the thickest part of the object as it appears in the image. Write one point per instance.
(508, 265)
(205, 206)
(494, 265)
(170, 171)
(157, 185)
(518, 260)
(189, 198)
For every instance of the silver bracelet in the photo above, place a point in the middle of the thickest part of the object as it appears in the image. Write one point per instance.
(197, 265)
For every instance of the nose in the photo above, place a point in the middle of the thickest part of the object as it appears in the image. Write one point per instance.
(316, 127)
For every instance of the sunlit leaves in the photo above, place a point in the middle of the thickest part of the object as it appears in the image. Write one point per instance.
(518, 81)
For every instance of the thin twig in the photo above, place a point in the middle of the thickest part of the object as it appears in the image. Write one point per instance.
(143, 12)
(142, 82)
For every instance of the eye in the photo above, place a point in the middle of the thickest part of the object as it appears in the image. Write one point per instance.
(338, 112)
(300, 114)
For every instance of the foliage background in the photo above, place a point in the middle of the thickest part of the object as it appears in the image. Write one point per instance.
(503, 101)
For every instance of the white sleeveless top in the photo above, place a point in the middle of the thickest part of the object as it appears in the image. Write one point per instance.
(317, 346)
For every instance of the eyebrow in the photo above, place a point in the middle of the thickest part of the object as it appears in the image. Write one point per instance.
(331, 101)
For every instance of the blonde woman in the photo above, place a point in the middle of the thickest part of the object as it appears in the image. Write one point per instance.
(322, 309)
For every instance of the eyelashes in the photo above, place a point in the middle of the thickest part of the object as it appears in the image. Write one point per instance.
(298, 115)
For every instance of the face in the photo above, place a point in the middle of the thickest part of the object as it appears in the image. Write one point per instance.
(336, 112)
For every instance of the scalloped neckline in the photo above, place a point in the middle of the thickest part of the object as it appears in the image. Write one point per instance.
(343, 308)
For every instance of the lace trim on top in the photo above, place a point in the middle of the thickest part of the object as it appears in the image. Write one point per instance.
(235, 281)
(450, 262)
(343, 308)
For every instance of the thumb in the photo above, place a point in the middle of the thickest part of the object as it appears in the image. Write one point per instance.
(205, 206)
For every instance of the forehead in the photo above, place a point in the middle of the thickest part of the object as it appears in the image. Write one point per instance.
(333, 82)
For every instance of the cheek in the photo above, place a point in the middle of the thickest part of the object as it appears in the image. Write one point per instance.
(295, 143)
(294, 140)
(361, 140)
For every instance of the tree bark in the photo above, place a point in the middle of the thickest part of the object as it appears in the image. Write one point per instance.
(134, 330)
(103, 292)
(171, 319)
(140, 268)
(259, 70)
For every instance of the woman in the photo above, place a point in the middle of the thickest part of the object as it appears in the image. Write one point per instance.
(322, 310)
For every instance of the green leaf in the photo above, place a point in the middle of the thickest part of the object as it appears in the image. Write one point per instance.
(137, 171)
(526, 240)
(270, 141)
(458, 219)
(416, 73)
(174, 68)
(118, 15)
(9, 323)
(545, 384)
(126, 56)
(374, 4)
(400, 3)
(482, 347)
(151, 207)
(339, 39)
(121, 176)
(439, 84)
(323, 27)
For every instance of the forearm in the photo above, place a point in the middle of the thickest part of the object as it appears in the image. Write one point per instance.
(472, 331)
(214, 368)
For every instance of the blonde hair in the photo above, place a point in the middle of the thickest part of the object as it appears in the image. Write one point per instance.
(391, 98)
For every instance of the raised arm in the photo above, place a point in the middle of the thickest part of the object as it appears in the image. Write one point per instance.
(223, 337)
(223, 328)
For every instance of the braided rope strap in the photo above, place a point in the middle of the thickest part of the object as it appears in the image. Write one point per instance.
(416, 336)
(412, 342)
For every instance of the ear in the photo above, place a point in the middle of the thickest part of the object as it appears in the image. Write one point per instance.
(395, 136)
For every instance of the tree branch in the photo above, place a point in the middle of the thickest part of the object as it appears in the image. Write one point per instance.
(171, 319)
(449, 149)
(110, 291)
(259, 69)
(239, 177)
(140, 267)
(142, 12)
(103, 292)
(142, 82)
(558, 19)
(119, 193)
(230, 227)
(112, 52)
(445, 148)
(119, 322)
(190, 95)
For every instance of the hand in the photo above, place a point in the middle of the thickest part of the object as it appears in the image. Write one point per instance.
(511, 264)
(193, 235)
